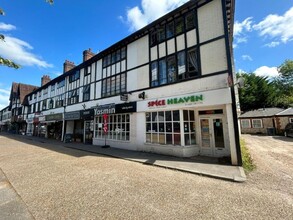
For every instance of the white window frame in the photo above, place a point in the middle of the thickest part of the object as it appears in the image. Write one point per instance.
(245, 120)
(253, 124)
(290, 120)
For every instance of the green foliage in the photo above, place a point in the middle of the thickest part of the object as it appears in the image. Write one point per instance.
(8, 63)
(260, 92)
(247, 162)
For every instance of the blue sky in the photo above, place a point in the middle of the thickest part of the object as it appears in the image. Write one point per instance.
(41, 37)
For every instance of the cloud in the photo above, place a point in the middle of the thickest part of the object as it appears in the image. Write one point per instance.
(246, 57)
(6, 27)
(150, 10)
(278, 27)
(240, 31)
(267, 71)
(272, 44)
(240, 27)
(4, 98)
(19, 51)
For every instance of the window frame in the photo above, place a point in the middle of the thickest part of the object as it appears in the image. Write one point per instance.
(245, 120)
(253, 122)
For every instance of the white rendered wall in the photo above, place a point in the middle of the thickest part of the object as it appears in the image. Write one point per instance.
(138, 52)
(138, 78)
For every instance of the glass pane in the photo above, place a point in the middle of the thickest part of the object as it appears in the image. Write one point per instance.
(162, 72)
(179, 25)
(155, 138)
(176, 126)
(191, 115)
(218, 133)
(185, 115)
(170, 29)
(148, 116)
(161, 138)
(127, 137)
(168, 116)
(169, 139)
(177, 139)
(171, 69)
(190, 20)
(186, 127)
(161, 127)
(176, 116)
(161, 116)
(154, 127)
(187, 139)
(154, 116)
(148, 127)
(205, 132)
(192, 140)
(148, 138)
(169, 127)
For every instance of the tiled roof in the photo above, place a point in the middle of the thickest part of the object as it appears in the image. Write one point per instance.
(262, 112)
(288, 111)
(25, 89)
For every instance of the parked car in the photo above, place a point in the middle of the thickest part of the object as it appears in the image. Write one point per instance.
(289, 130)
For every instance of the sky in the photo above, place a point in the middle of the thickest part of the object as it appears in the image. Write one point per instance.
(40, 36)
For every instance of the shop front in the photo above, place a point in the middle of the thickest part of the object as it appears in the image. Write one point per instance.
(73, 126)
(119, 126)
(87, 117)
(30, 126)
(54, 123)
(188, 125)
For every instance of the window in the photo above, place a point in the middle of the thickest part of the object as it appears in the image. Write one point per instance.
(163, 127)
(162, 72)
(181, 64)
(170, 30)
(245, 123)
(118, 127)
(44, 105)
(291, 120)
(73, 96)
(171, 68)
(45, 91)
(74, 76)
(192, 61)
(190, 21)
(114, 85)
(179, 25)
(61, 84)
(161, 34)
(51, 103)
(256, 123)
(123, 53)
(154, 73)
(189, 127)
(86, 93)
(154, 38)
(52, 88)
(59, 101)
(88, 70)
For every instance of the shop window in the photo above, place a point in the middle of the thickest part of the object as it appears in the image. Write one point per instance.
(189, 127)
(86, 93)
(245, 123)
(118, 127)
(256, 123)
(163, 127)
(190, 21)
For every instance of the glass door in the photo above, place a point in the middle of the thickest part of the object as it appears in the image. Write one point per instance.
(205, 130)
(88, 132)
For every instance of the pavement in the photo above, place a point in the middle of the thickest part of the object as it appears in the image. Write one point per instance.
(12, 206)
(205, 166)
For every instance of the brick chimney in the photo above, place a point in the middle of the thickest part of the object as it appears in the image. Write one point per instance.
(45, 79)
(87, 54)
(68, 65)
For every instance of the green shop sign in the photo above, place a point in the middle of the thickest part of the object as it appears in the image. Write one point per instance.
(174, 101)
(187, 99)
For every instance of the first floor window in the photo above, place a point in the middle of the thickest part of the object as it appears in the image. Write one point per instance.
(73, 96)
(118, 127)
(192, 62)
(154, 73)
(114, 85)
(59, 101)
(245, 123)
(256, 123)
(86, 93)
(163, 127)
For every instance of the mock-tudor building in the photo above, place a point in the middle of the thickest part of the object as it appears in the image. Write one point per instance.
(167, 88)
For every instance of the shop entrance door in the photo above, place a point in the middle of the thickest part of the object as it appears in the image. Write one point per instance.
(88, 132)
(212, 136)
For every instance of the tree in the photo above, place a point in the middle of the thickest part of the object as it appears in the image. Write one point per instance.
(7, 62)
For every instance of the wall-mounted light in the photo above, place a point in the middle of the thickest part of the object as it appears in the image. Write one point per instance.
(141, 95)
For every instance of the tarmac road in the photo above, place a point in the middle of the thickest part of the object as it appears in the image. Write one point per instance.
(61, 183)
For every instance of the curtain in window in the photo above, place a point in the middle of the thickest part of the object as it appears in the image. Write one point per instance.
(193, 60)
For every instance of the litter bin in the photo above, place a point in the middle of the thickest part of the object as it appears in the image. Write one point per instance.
(271, 131)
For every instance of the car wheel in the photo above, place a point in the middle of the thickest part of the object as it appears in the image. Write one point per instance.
(285, 134)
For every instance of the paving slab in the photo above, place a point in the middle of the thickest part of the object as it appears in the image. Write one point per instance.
(12, 206)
